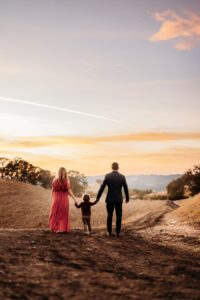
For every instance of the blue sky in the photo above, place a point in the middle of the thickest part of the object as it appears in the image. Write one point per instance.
(107, 58)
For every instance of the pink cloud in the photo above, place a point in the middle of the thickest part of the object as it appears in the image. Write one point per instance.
(173, 26)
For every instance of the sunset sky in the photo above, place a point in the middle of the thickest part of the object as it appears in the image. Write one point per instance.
(85, 83)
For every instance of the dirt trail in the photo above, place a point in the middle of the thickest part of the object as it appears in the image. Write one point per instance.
(36, 264)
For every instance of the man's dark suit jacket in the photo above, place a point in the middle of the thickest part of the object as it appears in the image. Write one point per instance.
(115, 181)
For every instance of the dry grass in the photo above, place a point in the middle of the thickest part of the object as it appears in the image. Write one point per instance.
(22, 205)
(189, 211)
(26, 206)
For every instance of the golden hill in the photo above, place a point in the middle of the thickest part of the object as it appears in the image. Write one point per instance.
(189, 211)
(23, 205)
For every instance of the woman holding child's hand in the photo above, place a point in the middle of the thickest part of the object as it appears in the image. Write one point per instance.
(61, 190)
(70, 193)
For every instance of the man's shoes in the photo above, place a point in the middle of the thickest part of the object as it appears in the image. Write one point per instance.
(110, 234)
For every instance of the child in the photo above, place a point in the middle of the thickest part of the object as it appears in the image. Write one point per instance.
(85, 206)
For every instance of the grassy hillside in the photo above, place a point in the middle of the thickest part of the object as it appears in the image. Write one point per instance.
(26, 206)
(22, 205)
(189, 211)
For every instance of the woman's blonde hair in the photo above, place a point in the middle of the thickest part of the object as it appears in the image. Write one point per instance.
(62, 174)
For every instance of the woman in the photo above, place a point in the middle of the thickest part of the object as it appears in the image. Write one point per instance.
(59, 216)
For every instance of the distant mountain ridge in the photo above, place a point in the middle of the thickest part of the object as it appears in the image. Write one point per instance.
(155, 182)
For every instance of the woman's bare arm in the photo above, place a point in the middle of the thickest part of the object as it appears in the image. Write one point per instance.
(72, 195)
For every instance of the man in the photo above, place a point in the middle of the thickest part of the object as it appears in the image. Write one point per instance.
(115, 181)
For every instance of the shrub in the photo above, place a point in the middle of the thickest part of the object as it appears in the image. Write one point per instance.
(175, 189)
(191, 179)
(140, 193)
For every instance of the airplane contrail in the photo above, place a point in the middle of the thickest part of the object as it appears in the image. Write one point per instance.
(13, 100)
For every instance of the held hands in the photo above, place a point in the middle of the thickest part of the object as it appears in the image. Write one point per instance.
(126, 200)
(75, 201)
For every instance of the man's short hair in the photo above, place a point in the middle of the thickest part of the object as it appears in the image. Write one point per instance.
(115, 166)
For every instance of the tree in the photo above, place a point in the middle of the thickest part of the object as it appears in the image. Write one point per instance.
(192, 179)
(21, 170)
(3, 162)
(78, 182)
(175, 189)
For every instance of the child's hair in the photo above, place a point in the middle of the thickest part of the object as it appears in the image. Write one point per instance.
(86, 197)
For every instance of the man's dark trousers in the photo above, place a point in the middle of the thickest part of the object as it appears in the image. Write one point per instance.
(118, 210)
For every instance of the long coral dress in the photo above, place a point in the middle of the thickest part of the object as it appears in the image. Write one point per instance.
(59, 215)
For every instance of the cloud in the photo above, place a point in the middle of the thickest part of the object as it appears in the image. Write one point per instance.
(175, 160)
(173, 26)
(48, 141)
(146, 152)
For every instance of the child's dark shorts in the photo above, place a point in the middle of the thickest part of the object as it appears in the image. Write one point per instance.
(86, 220)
